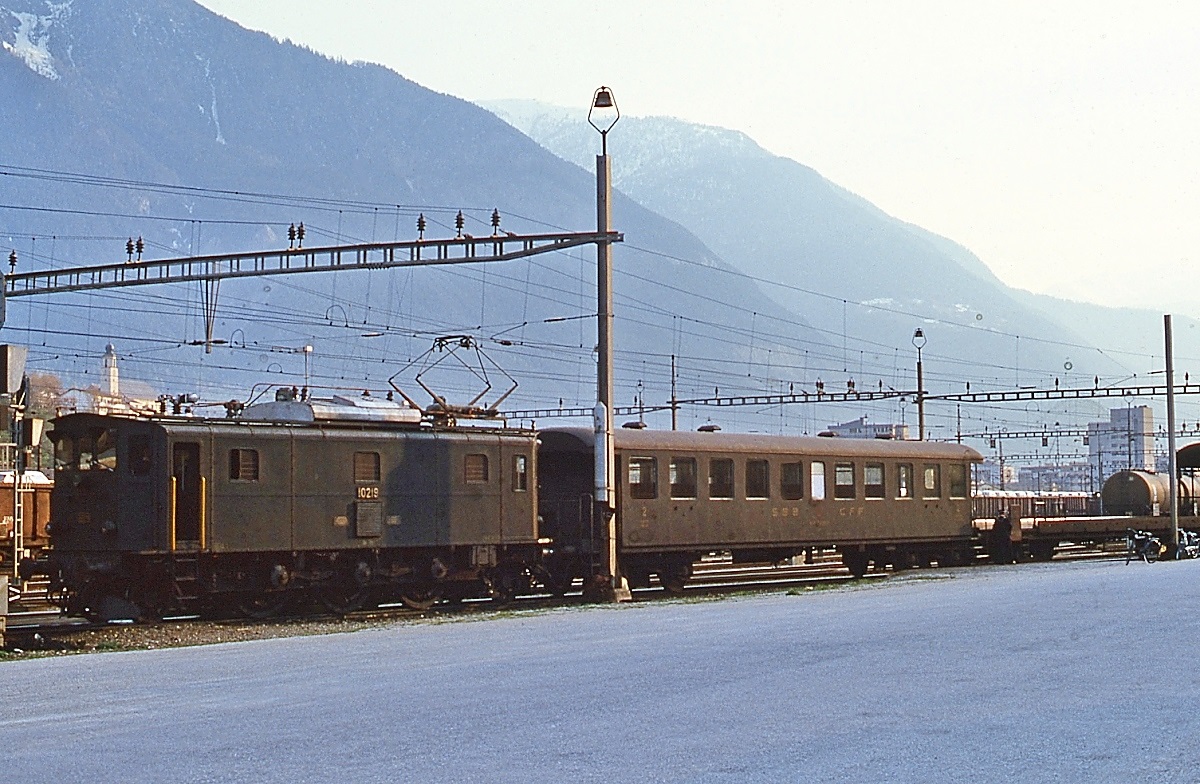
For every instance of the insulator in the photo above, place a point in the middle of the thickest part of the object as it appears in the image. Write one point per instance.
(421, 224)
(300, 233)
(141, 246)
(291, 235)
(495, 220)
(459, 222)
(129, 248)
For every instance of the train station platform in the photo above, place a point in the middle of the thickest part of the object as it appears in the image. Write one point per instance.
(1061, 671)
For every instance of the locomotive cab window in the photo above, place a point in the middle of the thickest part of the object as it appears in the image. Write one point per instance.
(520, 481)
(791, 481)
(643, 477)
(720, 478)
(141, 456)
(683, 477)
(816, 477)
(758, 479)
(95, 450)
(904, 480)
(366, 467)
(933, 481)
(843, 481)
(956, 475)
(873, 480)
(476, 469)
(243, 465)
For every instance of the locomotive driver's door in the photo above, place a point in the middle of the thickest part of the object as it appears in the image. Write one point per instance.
(185, 475)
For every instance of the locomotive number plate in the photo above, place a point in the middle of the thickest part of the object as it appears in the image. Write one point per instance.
(368, 493)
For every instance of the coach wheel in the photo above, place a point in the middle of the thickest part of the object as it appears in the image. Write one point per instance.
(420, 598)
(1041, 551)
(674, 576)
(261, 605)
(856, 562)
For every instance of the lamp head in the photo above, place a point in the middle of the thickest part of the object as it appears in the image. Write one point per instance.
(919, 339)
(604, 113)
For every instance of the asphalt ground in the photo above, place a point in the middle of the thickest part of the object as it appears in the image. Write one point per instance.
(1062, 671)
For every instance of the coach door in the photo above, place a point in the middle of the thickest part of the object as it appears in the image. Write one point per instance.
(185, 489)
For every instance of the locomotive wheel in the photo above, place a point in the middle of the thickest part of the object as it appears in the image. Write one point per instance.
(342, 596)
(420, 598)
(263, 604)
(346, 590)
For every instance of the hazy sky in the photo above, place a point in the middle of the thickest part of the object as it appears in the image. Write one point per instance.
(1056, 140)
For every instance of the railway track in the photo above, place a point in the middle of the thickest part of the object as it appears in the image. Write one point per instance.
(33, 623)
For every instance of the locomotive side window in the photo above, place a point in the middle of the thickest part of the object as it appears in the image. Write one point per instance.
(366, 467)
(643, 477)
(476, 469)
(243, 465)
(956, 474)
(873, 480)
(758, 479)
(843, 480)
(816, 477)
(720, 478)
(683, 477)
(141, 456)
(904, 487)
(791, 481)
(933, 481)
(520, 481)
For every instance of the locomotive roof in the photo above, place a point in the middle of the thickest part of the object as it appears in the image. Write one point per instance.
(336, 408)
(582, 439)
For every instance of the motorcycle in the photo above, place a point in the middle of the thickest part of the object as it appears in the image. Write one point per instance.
(1189, 545)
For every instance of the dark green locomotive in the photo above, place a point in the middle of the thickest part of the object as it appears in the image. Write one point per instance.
(349, 500)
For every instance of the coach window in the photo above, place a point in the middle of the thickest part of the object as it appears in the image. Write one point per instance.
(520, 481)
(956, 473)
(243, 465)
(816, 481)
(366, 467)
(758, 479)
(843, 480)
(476, 469)
(683, 477)
(643, 477)
(873, 480)
(904, 487)
(933, 481)
(791, 481)
(720, 478)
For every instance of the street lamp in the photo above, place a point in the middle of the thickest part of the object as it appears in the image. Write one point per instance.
(602, 116)
(918, 341)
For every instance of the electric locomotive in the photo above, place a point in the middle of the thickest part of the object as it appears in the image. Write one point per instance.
(352, 500)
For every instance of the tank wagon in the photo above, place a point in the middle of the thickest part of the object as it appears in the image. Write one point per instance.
(681, 495)
(1147, 493)
(353, 500)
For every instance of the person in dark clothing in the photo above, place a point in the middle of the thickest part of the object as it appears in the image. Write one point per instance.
(1002, 551)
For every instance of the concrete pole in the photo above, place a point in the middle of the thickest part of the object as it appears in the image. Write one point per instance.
(1174, 469)
(604, 450)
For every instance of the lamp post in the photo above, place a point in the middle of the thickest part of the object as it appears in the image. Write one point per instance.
(602, 116)
(918, 341)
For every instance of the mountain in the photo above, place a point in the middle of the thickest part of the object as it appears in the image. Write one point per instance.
(204, 137)
(160, 119)
(841, 259)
